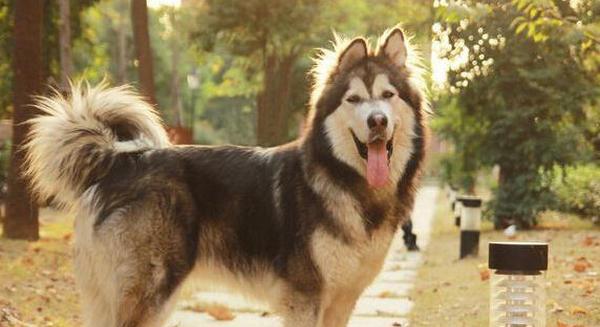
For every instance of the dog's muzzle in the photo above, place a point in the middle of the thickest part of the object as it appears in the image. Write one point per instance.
(362, 147)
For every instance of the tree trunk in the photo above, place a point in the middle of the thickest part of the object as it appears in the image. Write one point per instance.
(273, 101)
(503, 219)
(176, 104)
(21, 210)
(66, 59)
(143, 51)
(121, 43)
(175, 87)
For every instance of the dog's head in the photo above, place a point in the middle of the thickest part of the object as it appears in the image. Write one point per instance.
(368, 103)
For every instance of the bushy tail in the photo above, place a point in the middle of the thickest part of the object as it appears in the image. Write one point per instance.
(73, 142)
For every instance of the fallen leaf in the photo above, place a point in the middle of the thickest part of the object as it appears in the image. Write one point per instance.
(561, 324)
(484, 274)
(578, 310)
(195, 307)
(220, 312)
(580, 266)
(556, 307)
(589, 241)
(387, 294)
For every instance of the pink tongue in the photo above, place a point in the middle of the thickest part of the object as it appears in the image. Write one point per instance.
(378, 171)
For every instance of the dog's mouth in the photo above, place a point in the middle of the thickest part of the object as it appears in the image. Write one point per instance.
(377, 152)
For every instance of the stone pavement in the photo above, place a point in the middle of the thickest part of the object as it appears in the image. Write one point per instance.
(384, 304)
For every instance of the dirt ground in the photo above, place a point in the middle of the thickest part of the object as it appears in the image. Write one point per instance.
(37, 287)
(452, 292)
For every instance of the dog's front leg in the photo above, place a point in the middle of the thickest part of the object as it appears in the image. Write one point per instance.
(302, 310)
(338, 311)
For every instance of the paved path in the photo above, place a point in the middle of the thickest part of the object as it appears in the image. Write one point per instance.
(384, 304)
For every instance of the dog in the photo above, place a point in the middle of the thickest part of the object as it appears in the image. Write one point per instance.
(304, 227)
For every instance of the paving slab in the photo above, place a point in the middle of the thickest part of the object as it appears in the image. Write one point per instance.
(377, 322)
(232, 301)
(194, 319)
(370, 306)
(387, 289)
(397, 276)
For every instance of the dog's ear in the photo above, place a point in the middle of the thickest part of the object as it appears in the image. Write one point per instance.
(392, 46)
(354, 52)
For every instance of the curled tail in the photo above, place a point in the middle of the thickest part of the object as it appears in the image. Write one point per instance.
(74, 141)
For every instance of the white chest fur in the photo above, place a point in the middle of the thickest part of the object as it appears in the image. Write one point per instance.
(352, 263)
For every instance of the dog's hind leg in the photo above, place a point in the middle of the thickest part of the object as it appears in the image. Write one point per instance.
(97, 311)
(147, 284)
(143, 310)
(128, 292)
(131, 279)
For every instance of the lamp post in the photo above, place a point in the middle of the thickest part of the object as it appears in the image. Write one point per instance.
(193, 82)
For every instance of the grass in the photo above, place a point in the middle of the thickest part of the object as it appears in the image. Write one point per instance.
(452, 292)
(37, 287)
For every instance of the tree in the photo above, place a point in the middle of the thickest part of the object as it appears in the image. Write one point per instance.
(6, 26)
(141, 37)
(66, 59)
(276, 39)
(273, 35)
(21, 210)
(523, 97)
(121, 44)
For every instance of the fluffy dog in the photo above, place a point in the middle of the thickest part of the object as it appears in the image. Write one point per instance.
(304, 226)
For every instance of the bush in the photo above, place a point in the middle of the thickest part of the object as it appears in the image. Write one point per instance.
(577, 189)
(454, 171)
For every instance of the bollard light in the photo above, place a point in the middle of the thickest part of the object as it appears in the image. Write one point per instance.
(517, 290)
(452, 197)
(457, 206)
(470, 225)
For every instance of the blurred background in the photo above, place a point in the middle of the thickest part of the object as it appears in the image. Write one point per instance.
(514, 85)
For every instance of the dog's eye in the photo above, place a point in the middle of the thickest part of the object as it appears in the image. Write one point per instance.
(353, 99)
(387, 94)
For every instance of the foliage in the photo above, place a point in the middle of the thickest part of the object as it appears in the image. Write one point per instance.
(51, 61)
(95, 51)
(6, 23)
(577, 189)
(272, 36)
(221, 42)
(520, 100)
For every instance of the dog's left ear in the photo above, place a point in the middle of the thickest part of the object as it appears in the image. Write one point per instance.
(392, 46)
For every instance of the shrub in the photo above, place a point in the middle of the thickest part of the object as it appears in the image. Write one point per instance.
(577, 189)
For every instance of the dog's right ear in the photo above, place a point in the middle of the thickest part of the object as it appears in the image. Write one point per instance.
(354, 52)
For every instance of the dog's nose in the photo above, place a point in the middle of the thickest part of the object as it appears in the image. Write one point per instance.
(377, 120)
